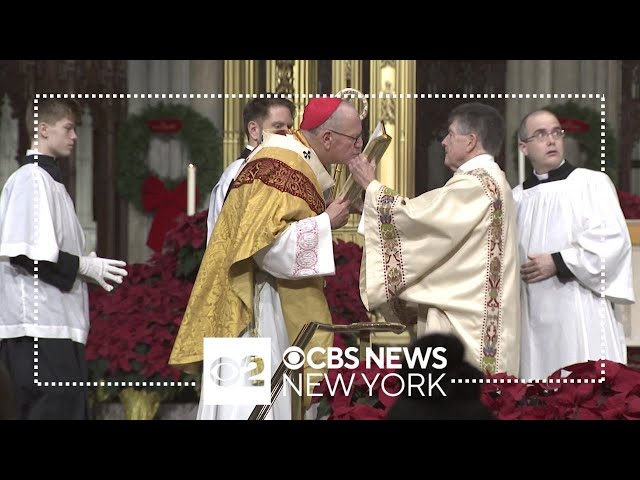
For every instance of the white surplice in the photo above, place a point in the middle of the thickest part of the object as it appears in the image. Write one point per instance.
(567, 321)
(219, 192)
(38, 220)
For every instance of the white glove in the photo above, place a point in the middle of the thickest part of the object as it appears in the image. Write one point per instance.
(102, 269)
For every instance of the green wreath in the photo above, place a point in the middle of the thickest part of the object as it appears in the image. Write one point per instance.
(198, 133)
(589, 141)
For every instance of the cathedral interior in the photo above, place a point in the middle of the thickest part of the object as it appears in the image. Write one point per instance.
(411, 97)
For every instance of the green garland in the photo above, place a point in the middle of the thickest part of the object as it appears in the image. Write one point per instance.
(589, 141)
(198, 133)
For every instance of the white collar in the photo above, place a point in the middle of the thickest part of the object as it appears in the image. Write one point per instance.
(544, 176)
(483, 160)
(290, 142)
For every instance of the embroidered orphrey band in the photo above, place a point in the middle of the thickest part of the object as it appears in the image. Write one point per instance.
(276, 174)
(493, 291)
(391, 249)
(307, 239)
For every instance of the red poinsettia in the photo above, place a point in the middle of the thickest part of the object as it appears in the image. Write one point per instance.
(586, 391)
(601, 390)
(357, 393)
(630, 205)
(133, 328)
(342, 290)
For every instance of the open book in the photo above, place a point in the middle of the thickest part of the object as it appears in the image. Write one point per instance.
(377, 145)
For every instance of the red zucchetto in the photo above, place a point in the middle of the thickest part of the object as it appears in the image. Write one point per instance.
(317, 111)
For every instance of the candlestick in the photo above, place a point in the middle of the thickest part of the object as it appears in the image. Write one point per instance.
(191, 189)
(521, 167)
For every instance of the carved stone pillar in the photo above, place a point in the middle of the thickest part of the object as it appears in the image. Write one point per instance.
(8, 140)
(240, 78)
(139, 223)
(84, 181)
(158, 154)
(630, 132)
(179, 84)
(206, 76)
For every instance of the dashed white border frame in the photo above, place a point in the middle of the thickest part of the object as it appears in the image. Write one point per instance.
(383, 95)
(220, 96)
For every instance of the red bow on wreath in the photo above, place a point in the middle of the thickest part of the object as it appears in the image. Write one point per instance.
(167, 205)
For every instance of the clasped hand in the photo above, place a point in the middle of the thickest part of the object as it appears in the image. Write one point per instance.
(338, 211)
(540, 267)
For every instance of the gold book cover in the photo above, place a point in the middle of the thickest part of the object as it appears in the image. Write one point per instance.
(377, 145)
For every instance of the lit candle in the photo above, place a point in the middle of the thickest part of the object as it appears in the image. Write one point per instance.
(520, 166)
(191, 189)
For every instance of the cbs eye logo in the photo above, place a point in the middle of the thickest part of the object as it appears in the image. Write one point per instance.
(293, 358)
(227, 372)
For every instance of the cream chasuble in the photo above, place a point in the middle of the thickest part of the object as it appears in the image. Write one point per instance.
(450, 253)
(567, 321)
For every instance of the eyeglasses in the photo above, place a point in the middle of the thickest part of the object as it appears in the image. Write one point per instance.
(541, 135)
(355, 139)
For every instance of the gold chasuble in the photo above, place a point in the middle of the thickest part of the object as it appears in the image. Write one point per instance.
(283, 182)
(451, 255)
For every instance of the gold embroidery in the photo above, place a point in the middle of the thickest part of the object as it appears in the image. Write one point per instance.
(492, 322)
(391, 248)
(276, 174)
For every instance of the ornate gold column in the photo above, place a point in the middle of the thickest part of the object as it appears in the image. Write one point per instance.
(347, 74)
(296, 77)
(239, 83)
(393, 84)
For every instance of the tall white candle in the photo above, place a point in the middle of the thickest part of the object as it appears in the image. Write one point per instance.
(191, 189)
(521, 167)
